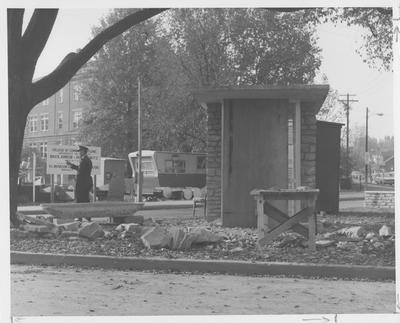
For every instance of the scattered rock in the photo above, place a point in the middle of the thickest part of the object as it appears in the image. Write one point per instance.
(177, 235)
(344, 245)
(108, 234)
(385, 231)
(68, 234)
(148, 222)
(328, 235)
(237, 249)
(351, 232)
(129, 227)
(91, 230)
(156, 238)
(370, 235)
(378, 245)
(71, 226)
(187, 241)
(202, 235)
(325, 243)
(290, 240)
(145, 229)
(217, 222)
(139, 219)
(126, 235)
(36, 228)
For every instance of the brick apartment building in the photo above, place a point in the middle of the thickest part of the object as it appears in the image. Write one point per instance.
(57, 119)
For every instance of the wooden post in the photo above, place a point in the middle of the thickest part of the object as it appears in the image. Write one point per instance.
(94, 188)
(312, 224)
(260, 217)
(33, 177)
(52, 188)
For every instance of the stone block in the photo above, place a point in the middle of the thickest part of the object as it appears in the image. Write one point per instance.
(70, 226)
(36, 228)
(156, 238)
(325, 243)
(129, 227)
(91, 230)
(177, 235)
(352, 232)
(187, 241)
(385, 231)
(202, 235)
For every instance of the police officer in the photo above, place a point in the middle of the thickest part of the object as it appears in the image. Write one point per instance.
(84, 181)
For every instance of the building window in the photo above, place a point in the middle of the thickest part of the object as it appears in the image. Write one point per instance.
(61, 96)
(44, 122)
(46, 102)
(201, 162)
(77, 119)
(59, 120)
(43, 149)
(33, 124)
(175, 166)
(32, 145)
(76, 92)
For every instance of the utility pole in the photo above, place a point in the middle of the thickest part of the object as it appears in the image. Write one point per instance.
(366, 149)
(347, 103)
(139, 157)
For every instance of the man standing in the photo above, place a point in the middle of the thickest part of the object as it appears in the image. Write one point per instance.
(84, 181)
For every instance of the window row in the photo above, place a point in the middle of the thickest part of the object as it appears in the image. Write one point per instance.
(77, 89)
(41, 123)
(42, 148)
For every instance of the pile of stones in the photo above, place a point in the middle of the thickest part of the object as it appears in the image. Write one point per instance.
(151, 234)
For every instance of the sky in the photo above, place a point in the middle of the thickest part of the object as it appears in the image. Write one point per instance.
(346, 71)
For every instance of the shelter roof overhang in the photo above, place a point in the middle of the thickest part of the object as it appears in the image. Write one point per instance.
(311, 93)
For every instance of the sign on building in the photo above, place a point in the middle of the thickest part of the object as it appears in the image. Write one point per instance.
(57, 155)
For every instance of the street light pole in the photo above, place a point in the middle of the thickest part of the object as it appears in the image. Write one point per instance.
(366, 150)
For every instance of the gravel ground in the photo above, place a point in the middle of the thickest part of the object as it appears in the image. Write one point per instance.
(55, 291)
(239, 244)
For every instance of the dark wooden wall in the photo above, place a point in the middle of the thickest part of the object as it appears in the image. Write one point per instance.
(255, 139)
(328, 166)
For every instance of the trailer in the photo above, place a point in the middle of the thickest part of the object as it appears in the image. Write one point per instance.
(173, 175)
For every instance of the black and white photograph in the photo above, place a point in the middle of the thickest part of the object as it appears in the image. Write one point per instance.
(199, 160)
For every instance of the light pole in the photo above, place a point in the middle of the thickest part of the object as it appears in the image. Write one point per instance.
(366, 146)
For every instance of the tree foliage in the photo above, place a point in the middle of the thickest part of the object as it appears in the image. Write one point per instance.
(24, 49)
(377, 22)
(190, 49)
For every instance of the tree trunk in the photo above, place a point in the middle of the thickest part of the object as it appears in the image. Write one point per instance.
(18, 105)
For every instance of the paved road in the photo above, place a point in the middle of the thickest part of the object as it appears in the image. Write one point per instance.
(73, 291)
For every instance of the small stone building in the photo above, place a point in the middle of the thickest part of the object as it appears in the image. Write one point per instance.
(258, 138)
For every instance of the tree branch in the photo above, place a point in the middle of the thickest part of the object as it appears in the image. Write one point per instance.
(36, 36)
(54, 81)
(14, 26)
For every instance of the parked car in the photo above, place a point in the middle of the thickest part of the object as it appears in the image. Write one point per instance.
(388, 178)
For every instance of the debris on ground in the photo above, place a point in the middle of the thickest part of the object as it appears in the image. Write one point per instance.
(362, 240)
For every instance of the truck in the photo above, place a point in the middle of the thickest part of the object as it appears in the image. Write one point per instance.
(172, 175)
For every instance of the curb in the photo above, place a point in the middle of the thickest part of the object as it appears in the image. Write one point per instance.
(208, 266)
(381, 212)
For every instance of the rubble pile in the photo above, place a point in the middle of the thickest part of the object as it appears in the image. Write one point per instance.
(150, 233)
(363, 244)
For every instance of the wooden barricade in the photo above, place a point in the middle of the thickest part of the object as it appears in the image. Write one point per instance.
(265, 212)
